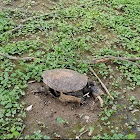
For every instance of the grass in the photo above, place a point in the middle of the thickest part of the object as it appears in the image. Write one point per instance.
(73, 34)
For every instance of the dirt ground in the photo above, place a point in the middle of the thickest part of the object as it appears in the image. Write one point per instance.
(46, 110)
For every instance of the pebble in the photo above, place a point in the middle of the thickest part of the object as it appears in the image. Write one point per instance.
(29, 108)
(87, 118)
(138, 129)
(114, 107)
(133, 111)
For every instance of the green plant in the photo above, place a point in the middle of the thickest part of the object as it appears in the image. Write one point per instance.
(115, 136)
(37, 135)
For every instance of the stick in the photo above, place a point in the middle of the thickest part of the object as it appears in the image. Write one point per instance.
(100, 100)
(16, 58)
(13, 30)
(34, 17)
(101, 82)
(21, 131)
(107, 58)
(78, 137)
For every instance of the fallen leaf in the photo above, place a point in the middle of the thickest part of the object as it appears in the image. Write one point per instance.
(30, 82)
(29, 108)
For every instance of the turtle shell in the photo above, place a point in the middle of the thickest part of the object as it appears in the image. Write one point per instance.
(64, 80)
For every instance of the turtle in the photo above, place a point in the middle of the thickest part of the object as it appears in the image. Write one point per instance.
(70, 86)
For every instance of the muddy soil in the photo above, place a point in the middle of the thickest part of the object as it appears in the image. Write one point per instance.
(47, 109)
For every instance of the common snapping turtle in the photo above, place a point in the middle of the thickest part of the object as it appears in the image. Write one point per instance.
(70, 86)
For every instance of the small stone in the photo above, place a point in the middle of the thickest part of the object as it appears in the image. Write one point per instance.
(125, 107)
(86, 118)
(77, 137)
(138, 129)
(126, 124)
(133, 111)
(114, 107)
(33, 2)
(49, 102)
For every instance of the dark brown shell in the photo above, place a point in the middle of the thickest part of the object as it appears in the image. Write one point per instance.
(64, 80)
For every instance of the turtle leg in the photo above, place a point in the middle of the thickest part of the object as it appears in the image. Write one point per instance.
(96, 92)
(68, 98)
(54, 93)
(100, 100)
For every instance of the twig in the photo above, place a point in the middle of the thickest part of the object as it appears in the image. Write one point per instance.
(121, 7)
(103, 85)
(100, 100)
(13, 30)
(21, 131)
(107, 58)
(78, 137)
(16, 58)
(35, 17)
(119, 58)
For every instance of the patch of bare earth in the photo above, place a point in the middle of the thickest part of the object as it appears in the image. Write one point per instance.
(47, 109)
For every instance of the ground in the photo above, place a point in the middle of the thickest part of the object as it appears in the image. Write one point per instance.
(47, 110)
(72, 34)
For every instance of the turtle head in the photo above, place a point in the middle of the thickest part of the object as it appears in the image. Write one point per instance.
(94, 89)
(97, 92)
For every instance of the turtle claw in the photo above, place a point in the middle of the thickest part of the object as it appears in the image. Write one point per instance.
(87, 95)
